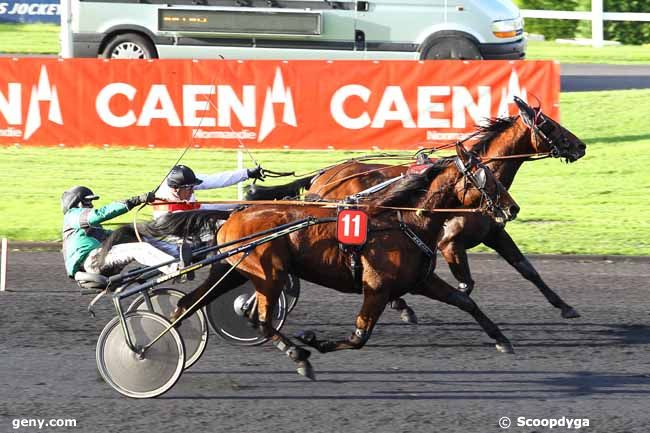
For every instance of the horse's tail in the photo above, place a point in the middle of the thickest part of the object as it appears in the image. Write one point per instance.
(277, 192)
(179, 224)
(121, 235)
(184, 224)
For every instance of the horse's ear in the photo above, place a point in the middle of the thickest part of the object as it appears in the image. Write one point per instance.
(527, 113)
(462, 153)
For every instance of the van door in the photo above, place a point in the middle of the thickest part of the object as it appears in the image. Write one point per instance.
(392, 28)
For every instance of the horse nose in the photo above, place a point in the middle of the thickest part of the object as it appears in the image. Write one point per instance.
(514, 210)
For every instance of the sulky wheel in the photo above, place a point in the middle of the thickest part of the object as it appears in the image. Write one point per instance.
(292, 292)
(193, 329)
(145, 375)
(226, 316)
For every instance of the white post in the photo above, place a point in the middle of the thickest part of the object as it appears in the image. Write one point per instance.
(597, 17)
(240, 166)
(3, 266)
(65, 37)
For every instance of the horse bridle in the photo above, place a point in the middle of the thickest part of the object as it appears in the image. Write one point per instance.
(466, 170)
(535, 127)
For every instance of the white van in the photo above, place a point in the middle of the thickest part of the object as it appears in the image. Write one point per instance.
(298, 29)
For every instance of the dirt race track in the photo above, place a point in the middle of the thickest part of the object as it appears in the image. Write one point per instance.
(443, 375)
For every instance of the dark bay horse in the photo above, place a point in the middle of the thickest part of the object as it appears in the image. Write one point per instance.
(392, 263)
(531, 132)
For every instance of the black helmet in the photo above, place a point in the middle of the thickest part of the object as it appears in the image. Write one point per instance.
(75, 196)
(182, 176)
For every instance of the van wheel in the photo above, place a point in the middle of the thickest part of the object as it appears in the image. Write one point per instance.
(453, 48)
(129, 46)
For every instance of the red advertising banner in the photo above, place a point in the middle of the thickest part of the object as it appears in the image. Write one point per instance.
(262, 104)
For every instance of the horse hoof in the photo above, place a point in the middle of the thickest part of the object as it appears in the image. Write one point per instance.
(307, 337)
(570, 313)
(305, 369)
(505, 347)
(408, 316)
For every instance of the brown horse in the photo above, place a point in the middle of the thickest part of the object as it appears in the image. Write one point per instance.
(392, 263)
(531, 132)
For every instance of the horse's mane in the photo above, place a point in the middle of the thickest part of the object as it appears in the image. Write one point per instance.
(413, 186)
(179, 224)
(487, 133)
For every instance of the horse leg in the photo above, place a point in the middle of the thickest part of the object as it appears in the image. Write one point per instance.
(217, 270)
(406, 313)
(503, 244)
(436, 288)
(267, 295)
(455, 255)
(374, 303)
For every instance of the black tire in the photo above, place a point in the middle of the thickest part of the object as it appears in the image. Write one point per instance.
(129, 46)
(233, 327)
(195, 331)
(292, 292)
(452, 48)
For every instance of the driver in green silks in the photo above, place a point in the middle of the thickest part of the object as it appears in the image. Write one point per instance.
(82, 235)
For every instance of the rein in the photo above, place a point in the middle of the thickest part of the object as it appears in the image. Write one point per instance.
(352, 176)
(528, 156)
(426, 150)
(328, 204)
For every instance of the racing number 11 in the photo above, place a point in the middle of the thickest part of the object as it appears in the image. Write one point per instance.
(356, 220)
(352, 227)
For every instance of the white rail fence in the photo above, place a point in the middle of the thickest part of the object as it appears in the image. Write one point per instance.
(597, 16)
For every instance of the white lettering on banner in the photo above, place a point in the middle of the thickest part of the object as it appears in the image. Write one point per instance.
(158, 96)
(43, 93)
(393, 97)
(426, 106)
(244, 109)
(463, 101)
(159, 105)
(191, 106)
(11, 132)
(225, 135)
(104, 98)
(507, 95)
(393, 105)
(11, 105)
(278, 94)
(338, 100)
(29, 9)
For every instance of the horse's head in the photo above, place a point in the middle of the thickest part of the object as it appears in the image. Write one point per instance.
(481, 186)
(550, 136)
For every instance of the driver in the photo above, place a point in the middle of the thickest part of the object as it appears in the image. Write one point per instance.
(176, 194)
(83, 234)
(178, 187)
(180, 184)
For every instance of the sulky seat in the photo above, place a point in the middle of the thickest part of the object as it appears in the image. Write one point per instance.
(87, 280)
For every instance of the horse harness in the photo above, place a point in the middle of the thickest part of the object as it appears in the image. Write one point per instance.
(354, 253)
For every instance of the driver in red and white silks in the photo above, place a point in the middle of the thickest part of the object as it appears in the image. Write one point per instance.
(178, 190)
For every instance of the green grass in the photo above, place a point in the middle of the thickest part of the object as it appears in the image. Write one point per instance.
(565, 53)
(44, 39)
(29, 38)
(598, 205)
